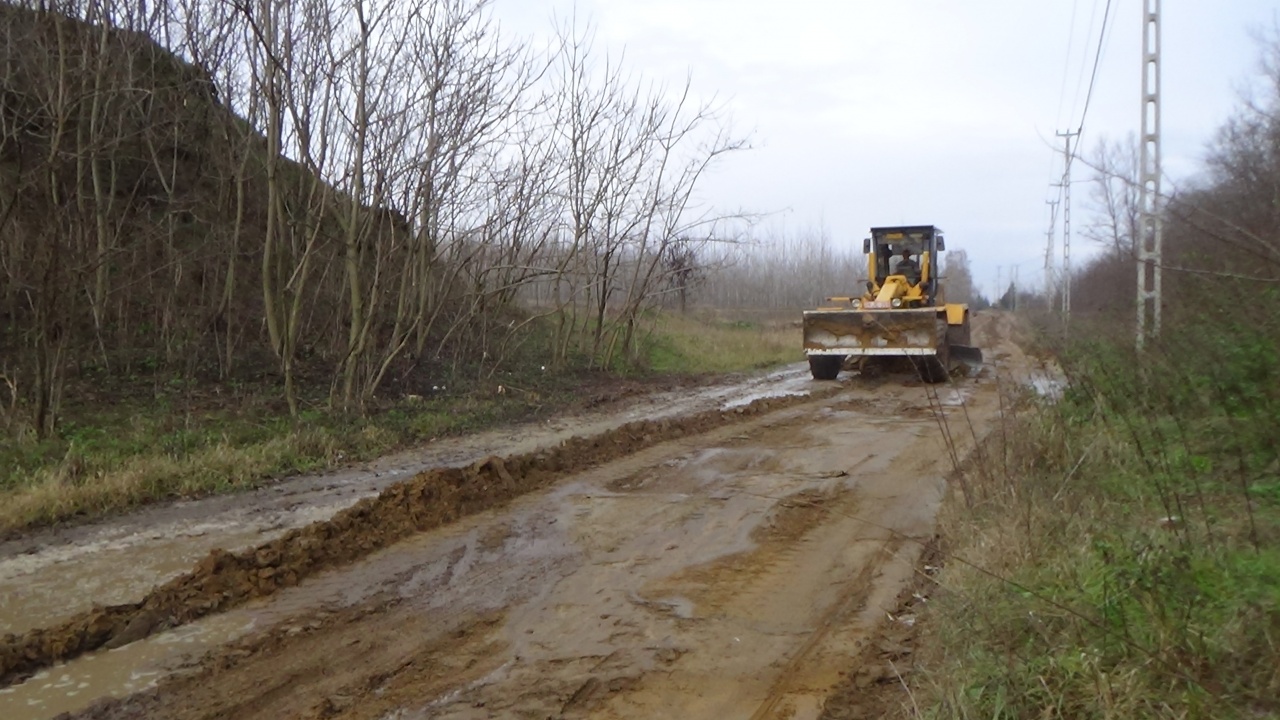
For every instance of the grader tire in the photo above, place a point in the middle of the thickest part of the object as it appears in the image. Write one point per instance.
(825, 367)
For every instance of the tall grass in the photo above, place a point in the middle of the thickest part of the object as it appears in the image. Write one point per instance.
(1121, 554)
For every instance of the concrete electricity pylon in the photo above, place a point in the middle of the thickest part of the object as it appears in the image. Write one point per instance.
(1066, 225)
(1048, 248)
(1149, 240)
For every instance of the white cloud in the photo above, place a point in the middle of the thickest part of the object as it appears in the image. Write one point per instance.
(869, 112)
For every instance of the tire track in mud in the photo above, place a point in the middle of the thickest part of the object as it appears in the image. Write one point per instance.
(875, 685)
(853, 599)
(223, 580)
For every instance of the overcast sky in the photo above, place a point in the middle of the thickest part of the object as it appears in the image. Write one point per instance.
(881, 112)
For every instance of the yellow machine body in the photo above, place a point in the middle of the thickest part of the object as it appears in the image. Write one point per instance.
(901, 314)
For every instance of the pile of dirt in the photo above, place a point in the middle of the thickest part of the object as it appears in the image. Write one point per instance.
(223, 580)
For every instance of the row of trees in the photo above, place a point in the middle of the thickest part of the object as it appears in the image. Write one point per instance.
(797, 270)
(363, 185)
(1221, 229)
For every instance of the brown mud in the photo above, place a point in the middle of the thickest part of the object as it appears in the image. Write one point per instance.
(877, 686)
(117, 560)
(698, 564)
(223, 580)
(761, 562)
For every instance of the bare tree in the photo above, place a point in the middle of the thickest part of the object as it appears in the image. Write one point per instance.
(1114, 196)
(958, 283)
(400, 176)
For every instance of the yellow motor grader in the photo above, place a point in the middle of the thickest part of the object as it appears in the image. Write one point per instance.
(902, 314)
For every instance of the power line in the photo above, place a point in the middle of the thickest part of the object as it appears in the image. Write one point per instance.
(1066, 65)
(1097, 58)
(1093, 79)
(1069, 155)
(1066, 73)
(1084, 58)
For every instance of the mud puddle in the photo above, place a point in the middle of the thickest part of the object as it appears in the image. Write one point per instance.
(790, 381)
(423, 573)
(570, 566)
(106, 573)
(704, 576)
(116, 673)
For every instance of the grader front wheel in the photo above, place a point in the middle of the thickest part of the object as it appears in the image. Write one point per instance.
(825, 367)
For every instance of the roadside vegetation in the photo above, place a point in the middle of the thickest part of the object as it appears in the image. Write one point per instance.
(720, 342)
(128, 443)
(229, 250)
(1117, 552)
(148, 444)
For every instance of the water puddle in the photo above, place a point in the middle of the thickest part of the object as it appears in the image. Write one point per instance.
(681, 607)
(1050, 388)
(116, 673)
(40, 589)
(790, 382)
(761, 395)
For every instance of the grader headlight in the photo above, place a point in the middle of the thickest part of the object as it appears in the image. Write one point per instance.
(897, 302)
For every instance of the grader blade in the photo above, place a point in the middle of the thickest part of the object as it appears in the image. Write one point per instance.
(967, 355)
(872, 333)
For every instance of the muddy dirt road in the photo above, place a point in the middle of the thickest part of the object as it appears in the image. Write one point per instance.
(731, 558)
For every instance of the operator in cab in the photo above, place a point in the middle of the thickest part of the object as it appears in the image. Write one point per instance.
(908, 266)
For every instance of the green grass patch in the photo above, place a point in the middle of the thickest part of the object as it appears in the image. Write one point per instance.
(706, 344)
(127, 453)
(1122, 558)
(126, 442)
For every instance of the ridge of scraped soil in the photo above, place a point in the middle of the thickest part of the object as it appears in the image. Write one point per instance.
(223, 580)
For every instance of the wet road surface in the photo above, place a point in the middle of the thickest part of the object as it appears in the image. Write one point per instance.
(737, 572)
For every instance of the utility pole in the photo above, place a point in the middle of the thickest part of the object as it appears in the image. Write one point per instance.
(1150, 238)
(999, 285)
(1066, 226)
(1048, 249)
